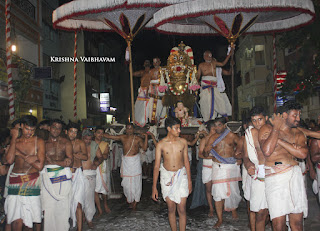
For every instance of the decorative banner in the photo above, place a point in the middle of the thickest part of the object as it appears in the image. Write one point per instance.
(9, 60)
(75, 78)
(280, 79)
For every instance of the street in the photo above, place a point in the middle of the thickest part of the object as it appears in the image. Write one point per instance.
(153, 216)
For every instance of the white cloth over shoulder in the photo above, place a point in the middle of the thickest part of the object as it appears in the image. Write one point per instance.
(221, 102)
(225, 185)
(56, 197)
(78, 194)
(207, 171)
(174, 185)
(316, 182)
(103, 178)
(285, 191)
(131, 173)
(90, 184)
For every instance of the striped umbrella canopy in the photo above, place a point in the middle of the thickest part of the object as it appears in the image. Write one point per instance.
(232, 18)
(126, 17)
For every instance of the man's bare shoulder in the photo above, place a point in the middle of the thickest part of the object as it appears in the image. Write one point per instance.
(79, 141)
(65, 140)
(265, 128)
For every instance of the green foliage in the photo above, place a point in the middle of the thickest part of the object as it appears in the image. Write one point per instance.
(23, 84)
(303, 70)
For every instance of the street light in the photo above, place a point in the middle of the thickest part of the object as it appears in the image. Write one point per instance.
(13, 48)
(30, 111)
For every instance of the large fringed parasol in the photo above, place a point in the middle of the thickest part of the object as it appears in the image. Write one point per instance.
(126, 17)
(231, 18)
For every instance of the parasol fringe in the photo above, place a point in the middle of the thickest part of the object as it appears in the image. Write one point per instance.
(200, 7)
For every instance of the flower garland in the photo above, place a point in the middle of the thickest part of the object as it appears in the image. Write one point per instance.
(177, 93)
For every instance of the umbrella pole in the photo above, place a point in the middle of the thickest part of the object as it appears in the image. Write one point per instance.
(232, 87)
(131, 80)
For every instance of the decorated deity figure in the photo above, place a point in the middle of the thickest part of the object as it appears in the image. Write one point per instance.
(178, 78)
(181, 112)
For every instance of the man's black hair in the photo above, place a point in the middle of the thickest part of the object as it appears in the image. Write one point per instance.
(29, 120)
(14, 123)
(210, 124)
(290, 105)
(257, 110)
(58, 121)
(73, 125)
(44, 122)
(220, 119)
(171, 121)
(100, 128)
(129, 124)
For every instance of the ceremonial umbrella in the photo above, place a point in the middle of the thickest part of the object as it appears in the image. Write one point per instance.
(231, 18)
(126, 17)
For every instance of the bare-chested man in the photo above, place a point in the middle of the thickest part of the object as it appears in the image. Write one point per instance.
(207, 166)
(155, 109)
(89, 171)
(78, 182)
(281, 144)
(103, 185)
(56, 179)
(225, 171)
(131, 164)
(175, 178)
(27, 152)
(254, 163)
(212, 101)
(315, 158)
(140, 107)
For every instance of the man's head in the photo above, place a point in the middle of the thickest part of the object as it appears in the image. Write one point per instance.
(147, 63)
(219, 124)
(291, 113)
(98, 134)
(28, 126)
(207, 56)
(72, 130)
(172, 125)
(179, 104)
(156, 62)
(129, 128)
(44, 124)
(210, 125)
(87, 136)
(16, 123)
(258, 116)
(56, 127)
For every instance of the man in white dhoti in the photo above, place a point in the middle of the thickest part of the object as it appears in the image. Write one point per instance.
(281, 144)
(89, 171)
(207, 166)
(175, 179)
(213, 100)
(103, 185)
(254, 163)
(315, 158)
(140, 107)
(78, 181)
(131, 171)
(27, 154)
(155, 110)
(56, 180)
(225, 170)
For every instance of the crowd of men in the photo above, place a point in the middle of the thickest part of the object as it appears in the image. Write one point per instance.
(57, 172)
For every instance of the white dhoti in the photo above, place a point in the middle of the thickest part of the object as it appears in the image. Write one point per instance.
(103, 184)
(140, 107)
(115, 156)
(131, 173)
(285, 191)
(90, 184)
(149, 155)
(155, 108)
(78, 194)
(304, 171)
(225, 185)
(190, 154)
(220, 104)
(246, 183)
(23, 199)
(258, 198)
(174, 185)
(207, 171)
(56, 197)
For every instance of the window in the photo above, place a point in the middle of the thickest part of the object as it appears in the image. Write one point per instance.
(259, 54)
